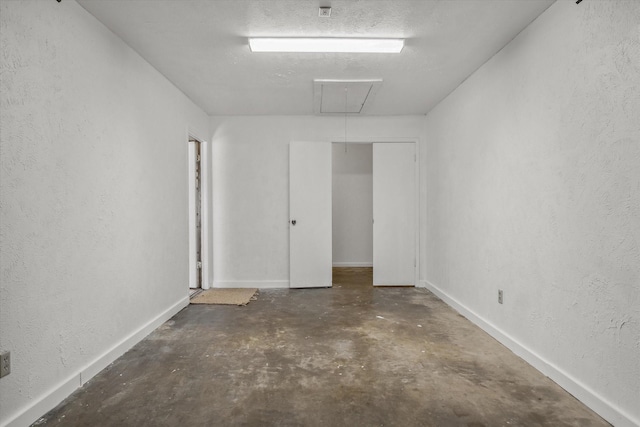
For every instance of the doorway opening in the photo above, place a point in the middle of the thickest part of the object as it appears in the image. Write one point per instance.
(352, 213)
(198, 216)
(374, 213)
(389, 213)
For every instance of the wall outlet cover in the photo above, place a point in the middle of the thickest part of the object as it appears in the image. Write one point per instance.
(5, 363)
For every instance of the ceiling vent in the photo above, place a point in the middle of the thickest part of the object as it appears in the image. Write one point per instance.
(344, 96)
(324, 11)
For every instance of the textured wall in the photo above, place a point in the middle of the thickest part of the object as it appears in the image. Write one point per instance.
(93, 173)
(352, 205)
(250, 174)
(533, 186)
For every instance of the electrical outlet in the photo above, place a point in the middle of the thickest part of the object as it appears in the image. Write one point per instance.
(499, 296)
(5, 364)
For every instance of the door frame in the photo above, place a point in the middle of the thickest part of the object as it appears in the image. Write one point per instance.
(205, 240)
(416, 142)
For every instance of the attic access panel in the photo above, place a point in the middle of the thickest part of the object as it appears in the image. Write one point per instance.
(344, 96)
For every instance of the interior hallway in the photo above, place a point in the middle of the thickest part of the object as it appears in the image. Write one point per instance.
(351, 355)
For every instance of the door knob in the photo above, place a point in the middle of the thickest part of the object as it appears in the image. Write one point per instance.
(293, 222)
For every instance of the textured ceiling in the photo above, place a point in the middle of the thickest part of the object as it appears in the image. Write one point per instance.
(201, 46)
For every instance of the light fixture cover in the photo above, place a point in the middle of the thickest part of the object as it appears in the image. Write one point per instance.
(325, 45)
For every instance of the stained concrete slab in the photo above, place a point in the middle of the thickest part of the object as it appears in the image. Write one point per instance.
(352, 355)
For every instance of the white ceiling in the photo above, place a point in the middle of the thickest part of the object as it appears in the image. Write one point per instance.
(201, 46)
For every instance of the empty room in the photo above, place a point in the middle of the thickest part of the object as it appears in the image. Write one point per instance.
(320, 213)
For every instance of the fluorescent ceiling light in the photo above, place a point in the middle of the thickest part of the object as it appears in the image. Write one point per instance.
(332, 45)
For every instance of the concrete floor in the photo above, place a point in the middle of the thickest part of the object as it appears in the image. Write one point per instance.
(352, 355)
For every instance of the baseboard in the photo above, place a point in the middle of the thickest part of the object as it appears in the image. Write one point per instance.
(260, 284)
(590, 398)
(48, 401)
(58, 393)
(119, 349)
(353, 264)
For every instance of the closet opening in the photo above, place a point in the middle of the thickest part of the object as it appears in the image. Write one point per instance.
(374, 211)
(352, 214)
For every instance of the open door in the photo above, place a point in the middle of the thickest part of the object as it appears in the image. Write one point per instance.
(394, 214)
(310, 215)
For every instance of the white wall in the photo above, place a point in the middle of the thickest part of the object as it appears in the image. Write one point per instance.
(251, 186)
(533, 187)
(352, 194)
(93, 226)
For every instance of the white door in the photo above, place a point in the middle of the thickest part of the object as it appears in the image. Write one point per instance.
(394, 214)
(310, 215)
